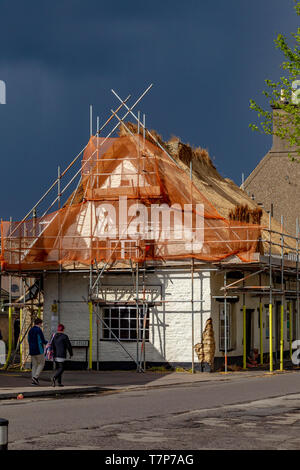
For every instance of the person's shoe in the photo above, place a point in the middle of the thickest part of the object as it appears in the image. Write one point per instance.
(53, 381)
(60, 385)
(35, 381)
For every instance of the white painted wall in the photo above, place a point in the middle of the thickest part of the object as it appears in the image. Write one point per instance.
(170, 324)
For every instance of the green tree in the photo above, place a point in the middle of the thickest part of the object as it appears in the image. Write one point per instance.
(284, 95)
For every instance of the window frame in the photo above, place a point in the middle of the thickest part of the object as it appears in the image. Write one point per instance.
(229, 327)
(112, 316)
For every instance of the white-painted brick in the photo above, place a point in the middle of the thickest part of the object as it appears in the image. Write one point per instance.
(170, 324)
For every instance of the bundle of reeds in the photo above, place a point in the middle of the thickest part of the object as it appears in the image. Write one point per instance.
(202, 155)
(187, 154)
(256, 215)
(206, 349)
(243, 213)
(182, 152)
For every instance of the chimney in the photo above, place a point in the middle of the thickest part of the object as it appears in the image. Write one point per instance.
(278, 144)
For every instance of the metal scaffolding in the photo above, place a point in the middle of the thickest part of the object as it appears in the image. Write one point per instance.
(286, 266)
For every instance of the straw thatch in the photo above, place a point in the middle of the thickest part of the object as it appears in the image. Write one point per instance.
(133, 128)
(221, 192)
(243, 213)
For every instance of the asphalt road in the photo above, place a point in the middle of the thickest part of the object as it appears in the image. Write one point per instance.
(253, 413)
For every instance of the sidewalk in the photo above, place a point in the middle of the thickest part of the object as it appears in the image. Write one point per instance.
(85, 382)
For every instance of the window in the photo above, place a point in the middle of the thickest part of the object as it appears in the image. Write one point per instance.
(122, 322)
(267, 313)
(125, 249)
(228, 327)
(267, 323)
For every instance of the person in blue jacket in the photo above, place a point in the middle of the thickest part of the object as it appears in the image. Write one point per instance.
(37, 343)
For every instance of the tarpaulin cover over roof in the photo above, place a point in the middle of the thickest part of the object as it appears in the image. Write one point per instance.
(136, 204)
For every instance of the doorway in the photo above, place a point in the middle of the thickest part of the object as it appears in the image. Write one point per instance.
(277, 330)
(249, 330)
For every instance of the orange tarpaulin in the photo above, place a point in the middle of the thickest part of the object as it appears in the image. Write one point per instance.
(136, 204)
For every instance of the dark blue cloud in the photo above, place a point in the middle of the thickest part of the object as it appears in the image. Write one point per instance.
(206, 60)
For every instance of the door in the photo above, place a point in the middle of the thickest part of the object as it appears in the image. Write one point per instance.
(277, 331)
(249, 330)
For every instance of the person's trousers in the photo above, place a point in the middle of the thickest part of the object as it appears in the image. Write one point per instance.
(59, 371)
(38, 363)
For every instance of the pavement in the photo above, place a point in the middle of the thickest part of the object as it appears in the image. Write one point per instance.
(14, 383)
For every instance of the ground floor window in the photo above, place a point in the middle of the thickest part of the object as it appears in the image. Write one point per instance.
(125, 324)
(228, 327)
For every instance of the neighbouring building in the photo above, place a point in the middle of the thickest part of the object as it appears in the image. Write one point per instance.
(275, 182)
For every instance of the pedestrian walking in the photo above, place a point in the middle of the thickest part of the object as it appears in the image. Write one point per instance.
(60, 344)
(36, 342)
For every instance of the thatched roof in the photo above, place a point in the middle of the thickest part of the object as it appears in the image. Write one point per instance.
(221, 192)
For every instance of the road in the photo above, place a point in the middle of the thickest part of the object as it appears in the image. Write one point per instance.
(253, 413)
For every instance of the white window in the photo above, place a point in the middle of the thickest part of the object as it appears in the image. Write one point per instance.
(122, 322)
(267, 313)
(228, 327)
(125, 249)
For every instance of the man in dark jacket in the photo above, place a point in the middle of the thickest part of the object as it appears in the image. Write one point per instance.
(36, 342)
(60, 344)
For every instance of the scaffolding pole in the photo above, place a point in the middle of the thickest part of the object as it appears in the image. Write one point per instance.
(90, 365)
(59, 250)
(261, 332)
(145, 313)
(297, 279)
(193, 316)
(244, 335)
(225, 321)
(137, 318)
(282, 296)
(22, 326)
(97, 335)
(291, 329)
(10, 312)
(270, 302)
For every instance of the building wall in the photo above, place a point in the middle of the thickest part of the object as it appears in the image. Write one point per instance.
(251, 302)
(170, 336)
(170, 323)
(275, 181)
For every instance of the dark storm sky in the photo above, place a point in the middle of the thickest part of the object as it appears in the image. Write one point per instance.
(206, 58)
